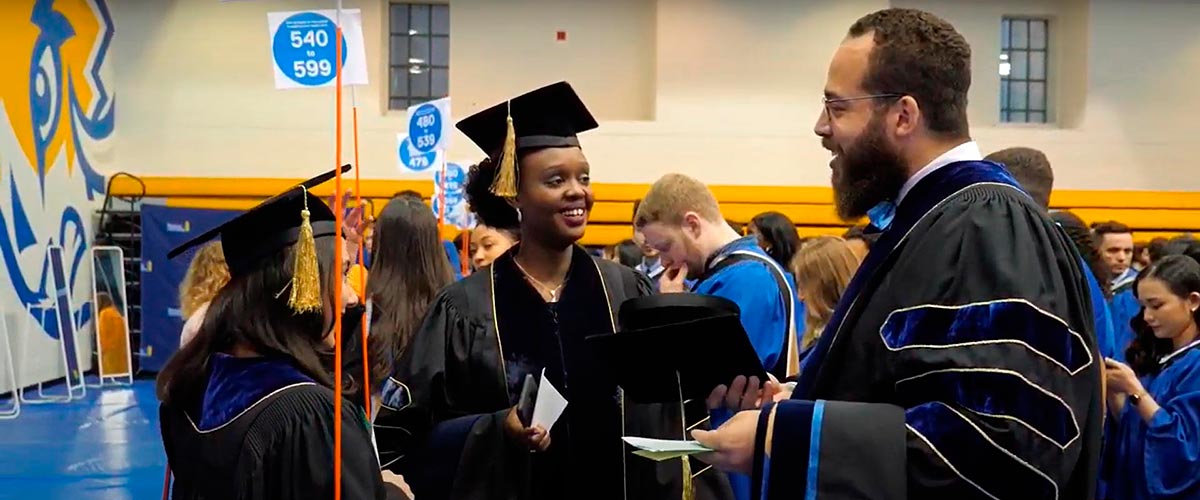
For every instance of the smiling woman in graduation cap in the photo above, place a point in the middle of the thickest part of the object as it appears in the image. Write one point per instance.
(448, 419)
(248, 404)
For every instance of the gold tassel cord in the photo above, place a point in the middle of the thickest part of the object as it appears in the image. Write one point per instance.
(306, 277)
(505, 184)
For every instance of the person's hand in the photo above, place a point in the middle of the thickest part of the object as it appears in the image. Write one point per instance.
(354, 226)
(744, 394)
(1121, 379)
(398, 481)
(733, 443)
(534, 438)
(671, 280)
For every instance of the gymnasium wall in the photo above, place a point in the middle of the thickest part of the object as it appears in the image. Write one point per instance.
(726, 90)
(56, 136)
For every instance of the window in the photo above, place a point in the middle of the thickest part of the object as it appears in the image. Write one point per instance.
(419, 53)
(1024, 70)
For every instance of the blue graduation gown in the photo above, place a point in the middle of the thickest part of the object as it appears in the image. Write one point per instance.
(1160, 460)
(1106, 331)
(752, 286)
(1124, 307)
(960, 362)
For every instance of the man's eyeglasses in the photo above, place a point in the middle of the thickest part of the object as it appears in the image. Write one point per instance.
(826, 101)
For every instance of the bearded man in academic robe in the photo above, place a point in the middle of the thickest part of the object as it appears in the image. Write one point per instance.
(960, 363)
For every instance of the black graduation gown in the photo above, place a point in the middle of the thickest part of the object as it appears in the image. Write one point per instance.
(960, 362)
(265, 430)
(442, 413)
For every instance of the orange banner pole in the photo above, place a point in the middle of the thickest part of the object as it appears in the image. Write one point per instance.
(362, 269)
(338, 248)
(466, 253)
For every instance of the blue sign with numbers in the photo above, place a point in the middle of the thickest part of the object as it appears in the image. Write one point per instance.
(414, 161)
(305, 48)
(454, 191)
(425, 127)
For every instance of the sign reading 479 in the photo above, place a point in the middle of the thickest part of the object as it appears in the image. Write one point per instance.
(304, 48)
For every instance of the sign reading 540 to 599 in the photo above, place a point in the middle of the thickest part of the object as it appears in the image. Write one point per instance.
(304, 48)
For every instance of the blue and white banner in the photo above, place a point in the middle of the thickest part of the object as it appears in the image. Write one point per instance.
(429, 125)
(453, 189)
(304, 48)
(164, 228)
(415, 163)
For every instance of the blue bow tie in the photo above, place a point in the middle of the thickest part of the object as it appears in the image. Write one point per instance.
(881, 215)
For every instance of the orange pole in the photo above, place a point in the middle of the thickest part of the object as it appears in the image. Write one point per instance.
(466, 253)
(362, 270)
(337, 259)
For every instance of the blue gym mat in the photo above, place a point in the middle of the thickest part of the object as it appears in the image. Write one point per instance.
(105, 446)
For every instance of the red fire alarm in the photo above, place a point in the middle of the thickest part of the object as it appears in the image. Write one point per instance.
(560, 36)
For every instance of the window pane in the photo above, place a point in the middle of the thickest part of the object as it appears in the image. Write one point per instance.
(1016, 94)
(399, 84)
(418, 50)
(440, 21)
(1004, 104)
(1005, 40)
(440, 51)
(439, 80)
(1017, 117)
(1037, 117)
(1037, 34)
(1037, 96)
(1020, 34)
(1020, 65)
(1004, 118)
(399, 15)
(1037, 65)
(399, 54)
(398, 104)
(419, 19)
(418, 84)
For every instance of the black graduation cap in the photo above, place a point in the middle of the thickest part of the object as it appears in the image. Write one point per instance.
(270, 226)
(549, 117)
(677, 341)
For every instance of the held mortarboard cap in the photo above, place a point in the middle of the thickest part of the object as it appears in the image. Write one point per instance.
(294, 217)
(549, 117)
(677, 343)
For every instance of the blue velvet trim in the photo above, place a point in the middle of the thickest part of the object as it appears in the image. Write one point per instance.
(1010, 320)
(998, 394)
(925, 195)
(236, 384)
(395, 395)
(814, 450)
(790, 448)
(974, 458)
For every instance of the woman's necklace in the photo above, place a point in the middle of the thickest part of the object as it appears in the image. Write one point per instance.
(552, 291)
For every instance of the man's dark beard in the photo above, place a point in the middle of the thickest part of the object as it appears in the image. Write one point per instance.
(871, 172)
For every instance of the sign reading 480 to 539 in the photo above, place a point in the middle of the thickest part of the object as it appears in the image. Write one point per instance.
(304, 48)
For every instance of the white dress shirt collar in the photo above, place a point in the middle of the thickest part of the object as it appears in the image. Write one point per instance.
(967, 151)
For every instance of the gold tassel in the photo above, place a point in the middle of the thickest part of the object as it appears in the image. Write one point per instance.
(689, 490)
(505, 184)
(306, 277)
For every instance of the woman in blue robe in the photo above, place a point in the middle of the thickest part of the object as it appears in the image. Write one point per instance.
(1154, 435)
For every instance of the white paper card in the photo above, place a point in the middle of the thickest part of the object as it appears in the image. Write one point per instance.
(550, 404)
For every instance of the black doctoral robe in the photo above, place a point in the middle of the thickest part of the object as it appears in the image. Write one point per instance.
(959, 364)
(443, 408)
(265, 430)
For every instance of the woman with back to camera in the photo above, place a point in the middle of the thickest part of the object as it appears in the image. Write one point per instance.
(248, 404)
(1153, 449)
(409, 268)
(448, 418)
(823, 267)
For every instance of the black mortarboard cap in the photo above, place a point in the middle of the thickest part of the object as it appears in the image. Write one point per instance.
(549, 117)
(270, 226)
(674, 343)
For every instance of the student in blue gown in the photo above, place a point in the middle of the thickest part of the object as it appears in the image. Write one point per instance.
(960, 362)
(248, 406)
(1154, 442)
